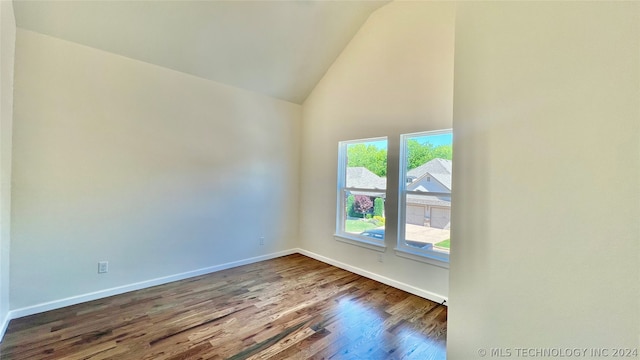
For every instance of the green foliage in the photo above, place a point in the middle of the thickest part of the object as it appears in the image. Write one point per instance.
(379, 219)
(443, 152)
(378, 207)
(375, 159)
(351, 211)
(444, 244)
(419, 154)
(368, 156)
(357, 226)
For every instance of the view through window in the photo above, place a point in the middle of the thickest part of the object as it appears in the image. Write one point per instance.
(362, 183)
(425, 193)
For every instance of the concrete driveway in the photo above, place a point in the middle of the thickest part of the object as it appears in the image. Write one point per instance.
(423, 234)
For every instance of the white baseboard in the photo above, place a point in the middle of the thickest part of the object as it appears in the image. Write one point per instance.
(73, 300)
(4, 324)
(385, 280)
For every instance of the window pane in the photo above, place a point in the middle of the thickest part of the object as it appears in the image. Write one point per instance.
(362, 186)
(428, 163)
(364, 214)
(427, 206)
(427, 222)
(367, 165)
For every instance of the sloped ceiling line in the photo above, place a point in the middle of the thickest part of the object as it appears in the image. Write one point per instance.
(277, 48)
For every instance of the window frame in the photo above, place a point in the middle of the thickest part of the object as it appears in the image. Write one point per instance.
(341, 234)
(402, 249)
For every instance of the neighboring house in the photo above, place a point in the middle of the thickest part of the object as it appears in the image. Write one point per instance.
(433, 211)
(363, 178)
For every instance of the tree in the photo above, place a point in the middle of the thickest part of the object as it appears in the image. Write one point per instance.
(418, 154)
(378, 207)
(374, 158)
(443, 152)
(421, 153)
(351, 211)
(363, 204)
(370, 157)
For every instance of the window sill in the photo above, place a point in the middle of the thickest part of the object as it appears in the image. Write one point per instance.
(372, 245)
(422, 257)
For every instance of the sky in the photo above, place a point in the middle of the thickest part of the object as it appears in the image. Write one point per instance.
(435, 140)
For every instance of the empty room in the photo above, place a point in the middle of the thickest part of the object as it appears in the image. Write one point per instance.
(319, 180)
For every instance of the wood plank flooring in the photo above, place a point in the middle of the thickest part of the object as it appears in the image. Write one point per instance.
(291, 307)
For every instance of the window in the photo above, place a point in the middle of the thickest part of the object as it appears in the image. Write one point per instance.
(362, 184)
(424, 213)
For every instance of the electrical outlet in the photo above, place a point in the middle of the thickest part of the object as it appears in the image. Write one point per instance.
(261, 240)
(103, 267)
(380, 258)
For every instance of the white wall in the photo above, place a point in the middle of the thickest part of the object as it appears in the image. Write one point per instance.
(156, 171)
(547, 185)
(394, 77)
(7, 48)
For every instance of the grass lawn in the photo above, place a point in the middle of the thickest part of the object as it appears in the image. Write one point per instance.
(357, 226)
(443, 243)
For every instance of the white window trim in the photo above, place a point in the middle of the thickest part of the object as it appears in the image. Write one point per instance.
(362, 242)
(341, 234)
(403, 250)
(425, 258)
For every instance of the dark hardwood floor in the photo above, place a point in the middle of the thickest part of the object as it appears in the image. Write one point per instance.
(291, 307)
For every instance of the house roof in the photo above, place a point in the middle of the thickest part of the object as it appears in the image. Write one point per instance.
(277, 48)
(439, 169)
(363, 178)
(430, 200)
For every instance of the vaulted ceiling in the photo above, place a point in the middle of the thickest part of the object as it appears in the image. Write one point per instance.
(278, 48)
